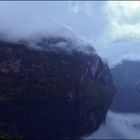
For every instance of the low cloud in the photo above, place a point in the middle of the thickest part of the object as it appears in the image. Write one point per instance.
(118, 126)
(124, 49)
(104, 24)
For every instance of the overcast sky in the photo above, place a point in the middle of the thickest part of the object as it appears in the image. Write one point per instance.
(112, 26)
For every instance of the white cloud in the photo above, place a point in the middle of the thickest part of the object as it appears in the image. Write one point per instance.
(82, 6)
(21, 18)
(124, 19)
(122, 37)
(75, 6)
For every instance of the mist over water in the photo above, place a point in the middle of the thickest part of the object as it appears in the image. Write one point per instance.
(118, 126)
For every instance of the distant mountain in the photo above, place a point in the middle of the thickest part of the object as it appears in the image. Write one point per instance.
(127, 80)
(53, 88)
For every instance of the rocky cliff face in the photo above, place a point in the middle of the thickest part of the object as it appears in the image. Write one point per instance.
(50, 91)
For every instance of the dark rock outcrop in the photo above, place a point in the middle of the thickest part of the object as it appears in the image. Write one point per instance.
(50, 92)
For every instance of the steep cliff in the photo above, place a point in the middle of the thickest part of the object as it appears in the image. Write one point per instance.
(53, 88)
